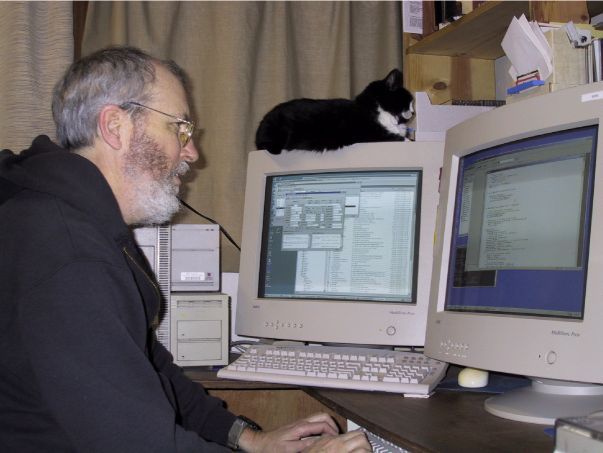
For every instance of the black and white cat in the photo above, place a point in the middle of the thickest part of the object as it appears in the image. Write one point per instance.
(378, 114)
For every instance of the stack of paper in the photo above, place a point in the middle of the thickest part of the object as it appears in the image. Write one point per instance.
(527, 49)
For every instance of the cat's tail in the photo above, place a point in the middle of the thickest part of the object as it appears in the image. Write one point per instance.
(270, 136)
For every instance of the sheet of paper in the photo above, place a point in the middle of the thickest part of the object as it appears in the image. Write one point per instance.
(526, 50)
(542, 39)
(412, 17)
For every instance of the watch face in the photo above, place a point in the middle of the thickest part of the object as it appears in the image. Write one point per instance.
(237, 429)
(250, 423)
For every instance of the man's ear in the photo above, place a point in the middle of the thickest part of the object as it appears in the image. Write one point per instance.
(112, 125)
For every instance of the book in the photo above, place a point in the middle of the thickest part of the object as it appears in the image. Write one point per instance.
(524, 86)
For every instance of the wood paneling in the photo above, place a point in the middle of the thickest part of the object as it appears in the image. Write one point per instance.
(274, 408)
(564, 11)
(270, 405)
(445, 78)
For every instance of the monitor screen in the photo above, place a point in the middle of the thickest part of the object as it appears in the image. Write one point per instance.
(337, 246)
(522, 225)
(341, 236)
(515, 285)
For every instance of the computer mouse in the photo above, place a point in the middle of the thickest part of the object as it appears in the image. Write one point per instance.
(472, 378)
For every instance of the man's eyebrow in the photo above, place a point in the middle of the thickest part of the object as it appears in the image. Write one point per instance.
(186, 117)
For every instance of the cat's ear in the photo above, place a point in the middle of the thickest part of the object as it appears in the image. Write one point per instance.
(393, 80)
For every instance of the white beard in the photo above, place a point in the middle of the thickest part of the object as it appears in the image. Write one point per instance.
(153, 192)
(157, 199)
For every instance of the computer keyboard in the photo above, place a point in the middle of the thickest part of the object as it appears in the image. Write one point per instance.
(380, 445)
(338, 367)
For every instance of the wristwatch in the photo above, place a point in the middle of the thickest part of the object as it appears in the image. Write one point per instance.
(237, 428)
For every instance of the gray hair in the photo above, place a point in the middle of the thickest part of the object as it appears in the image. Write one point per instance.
(114, 75)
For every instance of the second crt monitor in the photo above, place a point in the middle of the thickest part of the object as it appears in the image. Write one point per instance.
(337, 246)
(517, 282)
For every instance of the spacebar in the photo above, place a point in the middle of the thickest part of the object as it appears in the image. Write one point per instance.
(283, 372)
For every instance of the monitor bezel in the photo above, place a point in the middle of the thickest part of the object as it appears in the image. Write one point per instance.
(326, 320)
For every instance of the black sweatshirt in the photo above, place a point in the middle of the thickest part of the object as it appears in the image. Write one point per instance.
(81, 369)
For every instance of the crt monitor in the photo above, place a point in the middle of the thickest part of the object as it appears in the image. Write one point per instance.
(337, 246)
(517, 284)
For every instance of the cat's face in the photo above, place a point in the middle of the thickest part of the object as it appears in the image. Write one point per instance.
(395, 104)
(395, 124)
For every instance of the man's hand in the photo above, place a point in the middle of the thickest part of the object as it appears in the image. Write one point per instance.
(352, 442)
(293, 438)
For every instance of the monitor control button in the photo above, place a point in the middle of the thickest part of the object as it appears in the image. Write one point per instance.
(551, 357)
(391, 330)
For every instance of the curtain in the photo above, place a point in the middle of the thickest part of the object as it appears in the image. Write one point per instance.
(244, 58)
(35, 50)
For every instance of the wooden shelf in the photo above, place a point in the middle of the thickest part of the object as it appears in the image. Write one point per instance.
(479, 33)
(457, 62)
(476, 35)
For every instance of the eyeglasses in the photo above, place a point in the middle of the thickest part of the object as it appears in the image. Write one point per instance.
(185, 127)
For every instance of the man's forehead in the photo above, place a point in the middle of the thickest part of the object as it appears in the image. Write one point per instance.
(168, 91)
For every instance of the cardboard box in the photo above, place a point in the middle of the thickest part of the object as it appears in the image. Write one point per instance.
(432, 121)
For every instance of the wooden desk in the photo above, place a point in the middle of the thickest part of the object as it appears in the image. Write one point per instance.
(446, 422)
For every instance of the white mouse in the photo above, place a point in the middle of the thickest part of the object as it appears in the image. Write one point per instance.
(473, 378)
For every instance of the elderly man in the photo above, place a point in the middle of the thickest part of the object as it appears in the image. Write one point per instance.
(82, 369)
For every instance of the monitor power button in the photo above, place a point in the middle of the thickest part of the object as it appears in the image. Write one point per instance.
(551, 357)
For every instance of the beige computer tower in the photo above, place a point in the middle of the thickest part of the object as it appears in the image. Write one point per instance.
(199, 328)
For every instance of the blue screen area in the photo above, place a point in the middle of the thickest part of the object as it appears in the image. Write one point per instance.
(522, 225)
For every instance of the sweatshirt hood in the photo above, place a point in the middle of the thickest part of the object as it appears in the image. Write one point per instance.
(46, 167)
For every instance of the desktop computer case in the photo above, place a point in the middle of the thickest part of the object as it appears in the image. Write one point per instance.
(186, 262)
